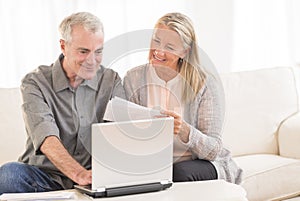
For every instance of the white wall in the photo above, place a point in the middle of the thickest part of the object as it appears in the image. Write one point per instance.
(29, 35)
(213, 21)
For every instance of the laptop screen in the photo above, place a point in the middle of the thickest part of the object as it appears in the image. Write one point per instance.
(132, 152)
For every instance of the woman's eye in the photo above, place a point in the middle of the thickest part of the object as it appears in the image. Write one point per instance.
(156, 41)
(170, 48)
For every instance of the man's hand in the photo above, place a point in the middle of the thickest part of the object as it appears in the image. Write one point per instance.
(60, 157)
(84, 177)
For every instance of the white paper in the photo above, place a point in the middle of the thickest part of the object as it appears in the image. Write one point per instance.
(54, 195)
(119, 109)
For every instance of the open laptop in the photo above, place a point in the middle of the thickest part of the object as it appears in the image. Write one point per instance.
(131, 157)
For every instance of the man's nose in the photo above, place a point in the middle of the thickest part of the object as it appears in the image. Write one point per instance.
(91, 58)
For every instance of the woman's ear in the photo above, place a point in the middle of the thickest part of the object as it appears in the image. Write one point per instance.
(184, 53)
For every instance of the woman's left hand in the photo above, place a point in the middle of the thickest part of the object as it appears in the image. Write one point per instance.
(181, 128)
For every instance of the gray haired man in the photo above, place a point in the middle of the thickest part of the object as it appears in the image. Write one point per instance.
(60, 102)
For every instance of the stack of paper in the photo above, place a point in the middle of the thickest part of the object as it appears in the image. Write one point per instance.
(54, 195)
(119, 109)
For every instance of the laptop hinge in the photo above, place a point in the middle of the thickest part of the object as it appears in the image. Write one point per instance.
(164, 182)
(102, 189)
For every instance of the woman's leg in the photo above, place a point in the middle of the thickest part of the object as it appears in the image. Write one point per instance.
(21, 178)
(194, 170)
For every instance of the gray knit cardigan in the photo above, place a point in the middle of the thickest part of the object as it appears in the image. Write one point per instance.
(206, 116)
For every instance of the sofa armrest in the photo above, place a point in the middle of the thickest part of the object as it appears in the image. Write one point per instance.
(289, 137)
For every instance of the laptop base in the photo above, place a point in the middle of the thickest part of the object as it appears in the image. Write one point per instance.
(124, 190)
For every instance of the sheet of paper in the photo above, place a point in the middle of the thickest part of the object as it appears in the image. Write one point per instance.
(54, 195)
(119, 109)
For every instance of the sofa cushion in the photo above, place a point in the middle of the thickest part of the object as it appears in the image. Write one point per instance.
(269, 177)
(12, 134)
(289, 137)
(256, 103)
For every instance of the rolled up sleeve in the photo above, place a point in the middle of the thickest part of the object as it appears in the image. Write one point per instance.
(39, 119)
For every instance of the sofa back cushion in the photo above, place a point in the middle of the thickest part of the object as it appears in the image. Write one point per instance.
(12, 129)
(256, 103)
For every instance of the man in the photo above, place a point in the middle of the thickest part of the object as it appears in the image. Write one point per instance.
(60, 102)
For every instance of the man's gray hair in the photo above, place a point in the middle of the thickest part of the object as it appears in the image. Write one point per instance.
(89, 21)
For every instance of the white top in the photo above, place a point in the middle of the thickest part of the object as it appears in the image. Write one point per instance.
(167, 96)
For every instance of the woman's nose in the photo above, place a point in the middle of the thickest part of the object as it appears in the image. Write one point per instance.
(159, 52)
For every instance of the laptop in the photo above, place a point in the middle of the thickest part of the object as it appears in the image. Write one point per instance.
(131, 157)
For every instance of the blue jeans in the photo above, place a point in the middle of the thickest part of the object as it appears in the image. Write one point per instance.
(18, 177)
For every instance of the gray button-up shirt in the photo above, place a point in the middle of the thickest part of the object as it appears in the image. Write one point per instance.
(52, 107)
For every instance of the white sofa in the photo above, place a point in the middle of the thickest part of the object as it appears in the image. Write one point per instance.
(262, 129)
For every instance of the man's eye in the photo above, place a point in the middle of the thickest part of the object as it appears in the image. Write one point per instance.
(82, 52)
(99, 52)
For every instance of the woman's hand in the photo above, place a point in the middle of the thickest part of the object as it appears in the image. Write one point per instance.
(181, 128)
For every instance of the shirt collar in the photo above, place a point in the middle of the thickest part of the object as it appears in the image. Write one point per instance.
(61, 82)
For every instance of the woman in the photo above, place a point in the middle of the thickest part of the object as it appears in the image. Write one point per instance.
(175, 82)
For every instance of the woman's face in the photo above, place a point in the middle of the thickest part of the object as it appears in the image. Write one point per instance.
(166, 48)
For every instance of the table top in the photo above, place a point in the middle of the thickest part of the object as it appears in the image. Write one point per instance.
(214, 190)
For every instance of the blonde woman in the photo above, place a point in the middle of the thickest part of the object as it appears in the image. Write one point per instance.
(175, 82)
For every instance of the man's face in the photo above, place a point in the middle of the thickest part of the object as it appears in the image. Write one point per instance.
(83, 54)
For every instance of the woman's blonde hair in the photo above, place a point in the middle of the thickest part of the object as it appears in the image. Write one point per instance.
(189, 66)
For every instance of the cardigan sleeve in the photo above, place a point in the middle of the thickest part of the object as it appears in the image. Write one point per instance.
(207, 114)
(135, 85)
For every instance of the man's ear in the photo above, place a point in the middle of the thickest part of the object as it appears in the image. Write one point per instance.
(62, 45)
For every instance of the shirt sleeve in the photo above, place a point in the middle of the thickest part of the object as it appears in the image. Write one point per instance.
(38, 117)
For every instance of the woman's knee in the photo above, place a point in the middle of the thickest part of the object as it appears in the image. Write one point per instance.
(181, 173)
(194, 170)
